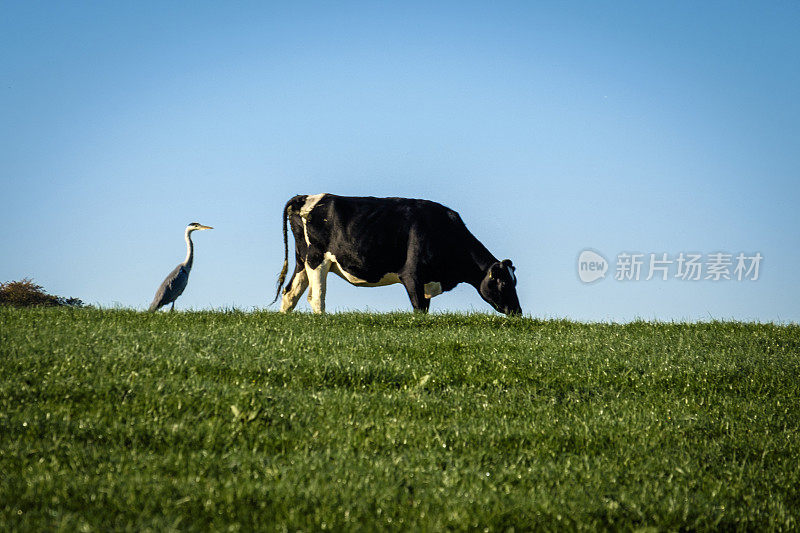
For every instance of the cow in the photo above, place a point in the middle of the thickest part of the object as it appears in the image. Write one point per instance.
(371, 242)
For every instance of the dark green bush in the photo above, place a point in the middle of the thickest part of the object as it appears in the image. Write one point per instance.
(26, 293)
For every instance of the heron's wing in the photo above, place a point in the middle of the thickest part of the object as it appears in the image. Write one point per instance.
(171, 287)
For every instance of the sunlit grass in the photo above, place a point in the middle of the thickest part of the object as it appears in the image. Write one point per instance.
(114, 419)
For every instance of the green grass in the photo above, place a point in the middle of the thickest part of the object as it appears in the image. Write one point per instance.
(114, 419)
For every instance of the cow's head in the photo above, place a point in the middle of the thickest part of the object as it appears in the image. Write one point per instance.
(499, 288)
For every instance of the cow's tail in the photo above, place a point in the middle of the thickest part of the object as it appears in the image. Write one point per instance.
(291, 206)
(285, 268)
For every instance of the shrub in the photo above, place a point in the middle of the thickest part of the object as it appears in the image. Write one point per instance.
(26, 293)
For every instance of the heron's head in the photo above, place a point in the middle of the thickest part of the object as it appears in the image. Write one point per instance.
(195, 226)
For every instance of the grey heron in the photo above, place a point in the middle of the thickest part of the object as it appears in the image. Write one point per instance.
(175, 282)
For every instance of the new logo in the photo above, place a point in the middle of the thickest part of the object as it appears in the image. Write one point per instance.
(591, 266)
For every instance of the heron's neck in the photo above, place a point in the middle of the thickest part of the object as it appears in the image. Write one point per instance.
(189, 251)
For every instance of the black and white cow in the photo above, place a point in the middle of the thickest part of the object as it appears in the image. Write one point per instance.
(379, 241)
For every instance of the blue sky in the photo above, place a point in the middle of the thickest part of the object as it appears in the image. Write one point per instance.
(551, 127)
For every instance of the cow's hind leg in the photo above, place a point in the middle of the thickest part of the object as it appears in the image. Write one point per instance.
(416, 293)
(294, 289)
(317, 279)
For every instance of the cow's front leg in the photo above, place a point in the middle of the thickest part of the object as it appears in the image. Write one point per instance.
(416, 293)
(316, 285)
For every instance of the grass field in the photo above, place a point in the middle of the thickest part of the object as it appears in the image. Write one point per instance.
(114, 419)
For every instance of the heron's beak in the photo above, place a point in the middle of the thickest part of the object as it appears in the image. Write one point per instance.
(205, 227)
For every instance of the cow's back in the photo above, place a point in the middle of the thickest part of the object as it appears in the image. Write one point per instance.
(371, 237)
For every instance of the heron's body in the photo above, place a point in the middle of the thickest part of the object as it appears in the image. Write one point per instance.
(174, 284)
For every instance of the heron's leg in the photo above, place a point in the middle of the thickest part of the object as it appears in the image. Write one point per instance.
(171, 309)
(317, 284)
(297, 285)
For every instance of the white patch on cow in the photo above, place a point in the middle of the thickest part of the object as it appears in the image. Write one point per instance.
(305, 232)
(387, 279)
(311, 201)
(292, 295)
(316, 281)
(433, 288)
